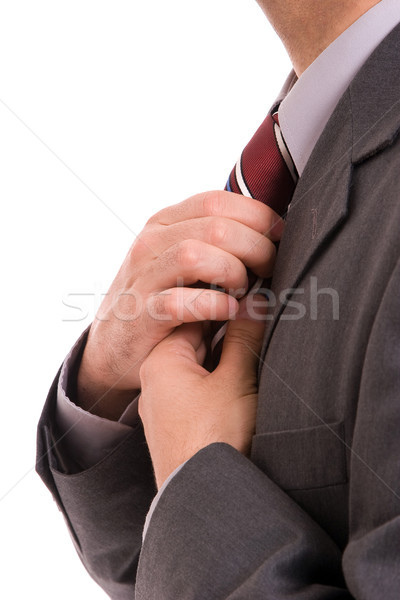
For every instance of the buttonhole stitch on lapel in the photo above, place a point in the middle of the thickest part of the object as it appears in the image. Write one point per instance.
(314, 212)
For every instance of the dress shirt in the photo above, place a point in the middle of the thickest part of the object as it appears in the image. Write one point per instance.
(305, 110)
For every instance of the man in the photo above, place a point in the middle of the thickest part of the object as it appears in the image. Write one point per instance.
(294, 491)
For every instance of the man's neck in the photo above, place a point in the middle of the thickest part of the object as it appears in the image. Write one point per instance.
(307, 27)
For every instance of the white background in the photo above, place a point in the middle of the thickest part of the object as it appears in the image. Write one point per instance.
(108, 112)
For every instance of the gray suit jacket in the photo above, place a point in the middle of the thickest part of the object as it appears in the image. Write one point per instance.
(315, 513)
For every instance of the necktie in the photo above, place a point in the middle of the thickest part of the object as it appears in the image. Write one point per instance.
(265, 171)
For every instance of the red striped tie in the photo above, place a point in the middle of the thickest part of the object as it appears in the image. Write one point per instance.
(265, 170)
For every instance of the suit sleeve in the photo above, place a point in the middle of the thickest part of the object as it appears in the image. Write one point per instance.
(105, 506)
(84, 439)
(223, 530)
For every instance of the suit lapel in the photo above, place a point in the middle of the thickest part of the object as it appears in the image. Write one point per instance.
(318, 208)
(364, 122)
(375, 99)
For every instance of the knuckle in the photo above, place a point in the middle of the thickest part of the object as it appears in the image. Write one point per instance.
(218, 232)
(231, 273)
(198, 306)
(143, 243)
(214, 203)
(187, 253)
(222, 270)
(159, 304)
(154, 218)
(161, 311)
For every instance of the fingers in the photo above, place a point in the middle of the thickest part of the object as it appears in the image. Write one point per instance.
(248, 211)
(241, 227)
(210, 238)
(254, 249)
(244, 337)
(187, 305)
(184, 344)
(190, 261)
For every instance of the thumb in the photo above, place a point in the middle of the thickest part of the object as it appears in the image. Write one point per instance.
(244, 336)
(184, 344)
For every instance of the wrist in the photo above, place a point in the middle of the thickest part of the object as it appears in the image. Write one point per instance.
(97, 391)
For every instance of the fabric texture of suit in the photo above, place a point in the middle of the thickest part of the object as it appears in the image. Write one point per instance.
(315, 512)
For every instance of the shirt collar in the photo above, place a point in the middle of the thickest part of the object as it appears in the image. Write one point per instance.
(310, 101)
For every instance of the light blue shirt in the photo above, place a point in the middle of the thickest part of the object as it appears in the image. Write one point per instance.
(303, 115)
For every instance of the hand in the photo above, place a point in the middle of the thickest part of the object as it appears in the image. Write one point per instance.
(184, 407)
(211, 238)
